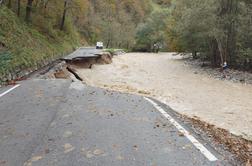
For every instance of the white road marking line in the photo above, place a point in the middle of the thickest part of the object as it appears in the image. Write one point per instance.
(4, 93)
(181, 129)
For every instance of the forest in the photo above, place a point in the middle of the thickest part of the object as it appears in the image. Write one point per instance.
(35, 32)
(218, 30)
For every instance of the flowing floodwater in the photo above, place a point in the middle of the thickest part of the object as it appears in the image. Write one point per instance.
(223, 103)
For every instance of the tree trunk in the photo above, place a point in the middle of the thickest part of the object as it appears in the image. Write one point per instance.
(221, 52)
(194, 54)
(214, 48)
(232, 30)
(28, 11)
(18, 7)
(9, 4)
(46, 3)
(45, 7)
(108, 43)
(63, 16)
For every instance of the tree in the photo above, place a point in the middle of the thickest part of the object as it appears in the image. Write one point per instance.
(152, 31)
(9, 4)
(28, 11)
(76, 8)
(64, 15)
(18, 7)
(214, 28)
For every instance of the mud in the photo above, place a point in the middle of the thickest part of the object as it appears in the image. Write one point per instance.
(167, 78)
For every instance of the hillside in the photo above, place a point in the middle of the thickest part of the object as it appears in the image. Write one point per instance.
(34, 32)
(23, 48)
(32, 35)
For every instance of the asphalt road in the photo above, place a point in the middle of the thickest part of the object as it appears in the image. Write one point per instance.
(65, 123)
(83, 52)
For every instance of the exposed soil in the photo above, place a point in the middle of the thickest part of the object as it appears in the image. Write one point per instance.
(88, 62)
(67, 69)
(168, 78)
(56, 71)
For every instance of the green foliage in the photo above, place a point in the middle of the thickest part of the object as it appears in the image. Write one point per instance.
(114, 21)
(152, 31)
(5, 59)
(55, 27)
(219, 30)
(25, 47)
(111, 50)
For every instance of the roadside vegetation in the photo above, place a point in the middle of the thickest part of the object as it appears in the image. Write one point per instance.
(23, 48)
(218, 31)
(35, 32)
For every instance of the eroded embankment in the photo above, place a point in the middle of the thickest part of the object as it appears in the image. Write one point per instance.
(67, 69)
(120, 76)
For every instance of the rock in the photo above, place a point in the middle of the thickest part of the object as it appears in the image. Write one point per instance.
(135, 147)
(242, 80)
(47, 151)
(98, 152)
(120, 157)
(36, 158)
(67, 134)
(144, 92)
(68, 148)
(89, 155)
(61, 74)
(181, 134)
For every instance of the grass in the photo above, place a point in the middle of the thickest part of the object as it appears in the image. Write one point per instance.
(25, 48)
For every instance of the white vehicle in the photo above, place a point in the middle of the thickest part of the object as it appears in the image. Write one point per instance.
(99, 45)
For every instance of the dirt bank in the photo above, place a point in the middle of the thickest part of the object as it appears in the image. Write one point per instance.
(166, 77)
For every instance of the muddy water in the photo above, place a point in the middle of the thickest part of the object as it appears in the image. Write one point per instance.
(165, 77)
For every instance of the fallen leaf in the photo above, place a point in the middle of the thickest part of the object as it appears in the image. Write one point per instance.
(120, 157)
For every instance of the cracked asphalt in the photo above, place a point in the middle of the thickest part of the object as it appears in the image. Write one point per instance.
(65, 123)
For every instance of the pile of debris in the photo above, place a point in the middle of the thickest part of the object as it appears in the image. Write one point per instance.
(238, 146)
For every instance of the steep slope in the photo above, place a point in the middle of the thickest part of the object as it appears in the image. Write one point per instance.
(23, 48)
(54, 28)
